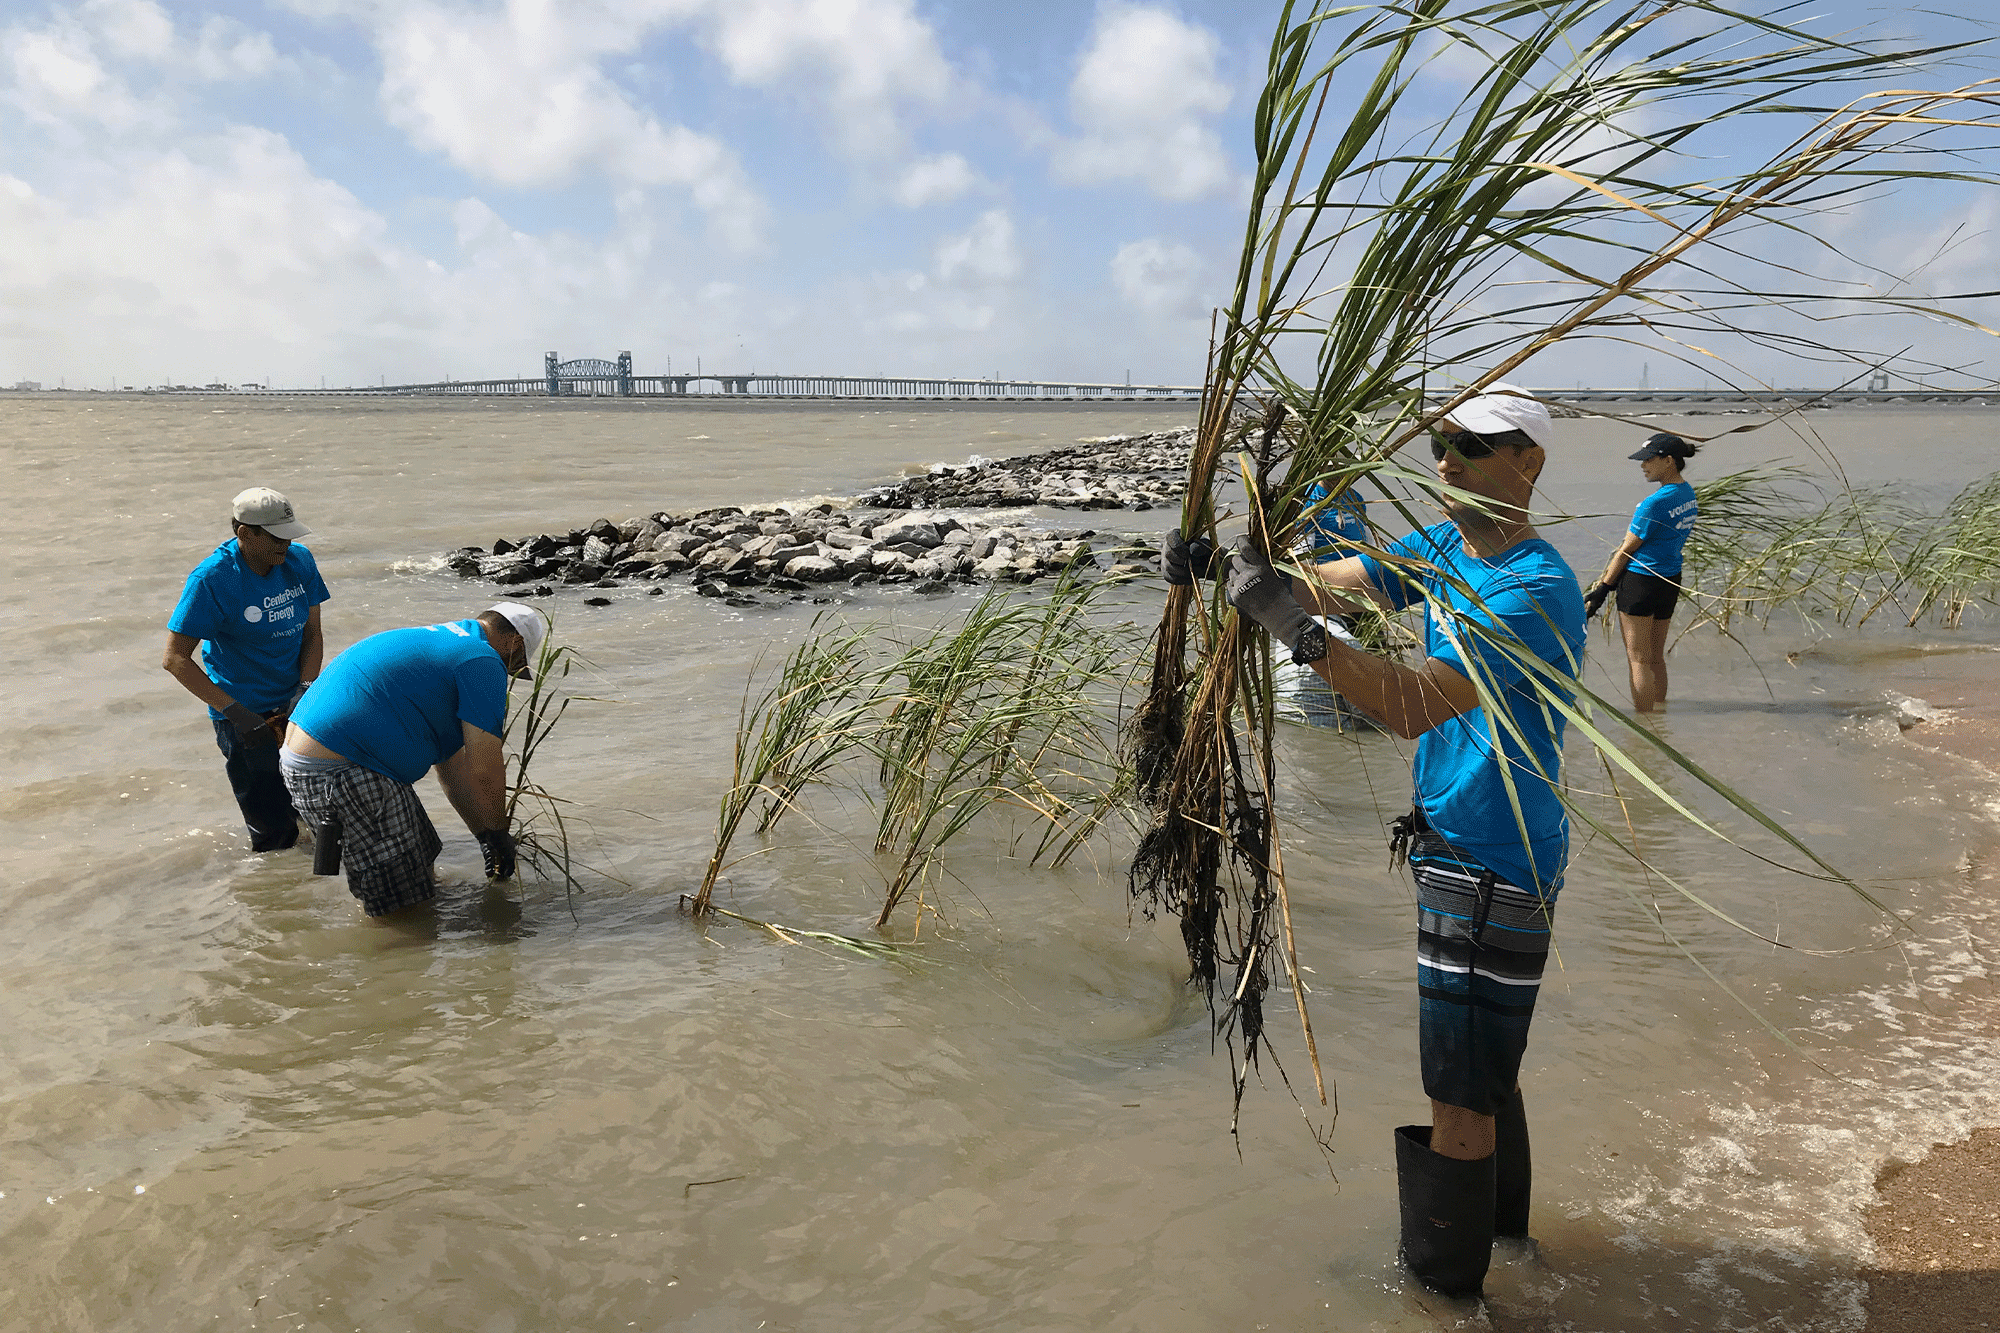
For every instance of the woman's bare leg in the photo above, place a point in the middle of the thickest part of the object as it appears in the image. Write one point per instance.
(1646, 659)
(1657, 657)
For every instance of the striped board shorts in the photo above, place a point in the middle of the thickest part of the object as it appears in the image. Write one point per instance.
(1481, 946)
(387, 841)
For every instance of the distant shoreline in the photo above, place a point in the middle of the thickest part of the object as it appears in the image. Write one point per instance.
(1679, 402)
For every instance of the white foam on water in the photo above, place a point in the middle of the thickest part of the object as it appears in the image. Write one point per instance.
(1775, 1189)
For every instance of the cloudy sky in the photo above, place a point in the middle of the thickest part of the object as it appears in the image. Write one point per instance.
(353, 190)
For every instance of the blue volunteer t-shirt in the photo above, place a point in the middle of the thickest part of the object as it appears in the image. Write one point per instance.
(1527, 597)
(393, 702)
(251, 626)
(1341, 521)
(1662, 523)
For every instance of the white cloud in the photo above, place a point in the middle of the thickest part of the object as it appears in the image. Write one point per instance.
(517, 98)
(136, 29)
(72, 68)
(227, 50)
(986, 255)
(1161, 278)
(865, 56)
(231, 248)
(935, 180)
(1143, 97)
(230, 257)
(57, 77)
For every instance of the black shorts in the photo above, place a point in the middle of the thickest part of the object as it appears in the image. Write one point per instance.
(1648, 595)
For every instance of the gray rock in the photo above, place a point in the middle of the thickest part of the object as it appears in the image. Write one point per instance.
(720, 559)
(596, 550)
(917, 529)
(889, 562)
(813, 569)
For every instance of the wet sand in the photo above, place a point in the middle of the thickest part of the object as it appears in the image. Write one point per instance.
(1936, 1229)
(1936, 1222)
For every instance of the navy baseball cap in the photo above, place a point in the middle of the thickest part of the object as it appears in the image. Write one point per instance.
(1663, 445)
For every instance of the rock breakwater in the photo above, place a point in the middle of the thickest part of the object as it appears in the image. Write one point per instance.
(1129, 472)
(899, 534)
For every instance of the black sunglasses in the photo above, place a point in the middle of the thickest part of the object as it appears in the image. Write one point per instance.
(1468, 444)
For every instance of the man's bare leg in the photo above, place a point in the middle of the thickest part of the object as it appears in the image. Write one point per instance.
(1459, 1133)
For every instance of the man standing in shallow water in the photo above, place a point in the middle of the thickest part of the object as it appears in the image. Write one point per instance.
(1487, 838)
(252, 611)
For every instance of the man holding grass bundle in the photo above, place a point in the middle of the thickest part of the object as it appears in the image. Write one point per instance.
(381, 716)
(1487, 839)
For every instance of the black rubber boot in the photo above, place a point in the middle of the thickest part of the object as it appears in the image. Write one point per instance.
(1513, 1169)
(1447, 1208)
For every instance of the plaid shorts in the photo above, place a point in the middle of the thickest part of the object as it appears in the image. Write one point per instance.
(1481, 946)
(387, 841)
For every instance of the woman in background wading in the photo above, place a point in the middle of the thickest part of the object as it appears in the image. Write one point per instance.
(1646, 568)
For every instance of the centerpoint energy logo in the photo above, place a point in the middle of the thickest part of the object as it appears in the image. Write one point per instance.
(253, 613)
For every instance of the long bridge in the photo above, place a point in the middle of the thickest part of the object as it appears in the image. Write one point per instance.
(596, 378)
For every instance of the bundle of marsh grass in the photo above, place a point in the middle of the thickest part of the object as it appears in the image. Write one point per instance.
(1409, 243)
(1013, 705)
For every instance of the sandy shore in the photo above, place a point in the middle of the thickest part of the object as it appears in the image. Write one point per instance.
(1936, 1227)
(1936, 1223)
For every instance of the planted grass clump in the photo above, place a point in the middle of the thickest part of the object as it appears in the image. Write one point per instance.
(1010, 709)
(1403, 251)
(544, 824)
(1769, 541)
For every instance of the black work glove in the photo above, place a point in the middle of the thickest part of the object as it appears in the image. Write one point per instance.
(1184, 561)
(1594, 599)
(251, 729)
(1260, 592)
(498, 848)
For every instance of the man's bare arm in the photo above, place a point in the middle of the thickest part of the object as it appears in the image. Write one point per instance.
(475, 780)
(1409, 701)
(178, 661)
(312, 648)
(1338, 587)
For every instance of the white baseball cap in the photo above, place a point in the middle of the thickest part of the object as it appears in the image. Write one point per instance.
(527, 622)
(262, 507)
(1504, 407)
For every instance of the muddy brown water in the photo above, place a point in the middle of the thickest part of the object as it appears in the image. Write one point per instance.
(230, 1102)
